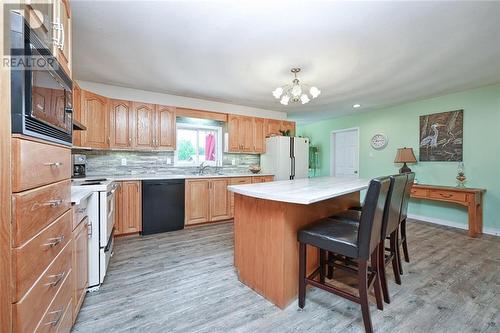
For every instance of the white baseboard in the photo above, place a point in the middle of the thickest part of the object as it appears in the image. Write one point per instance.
(486, 230)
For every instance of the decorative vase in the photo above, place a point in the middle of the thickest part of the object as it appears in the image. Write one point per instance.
(461, 179)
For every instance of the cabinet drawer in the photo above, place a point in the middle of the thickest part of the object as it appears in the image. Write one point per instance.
(54, 317)
(36, 164)
(80, 212)
(30, 309)
(31, 259)
(258, 180)
(448, 195)
(241, 180)
(34, 209)
(418, 192)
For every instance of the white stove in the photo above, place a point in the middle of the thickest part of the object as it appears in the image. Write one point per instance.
(101, 211)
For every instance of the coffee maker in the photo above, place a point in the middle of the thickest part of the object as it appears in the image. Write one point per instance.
(79, 164)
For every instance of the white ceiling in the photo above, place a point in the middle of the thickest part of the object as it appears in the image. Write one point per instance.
(373, 53)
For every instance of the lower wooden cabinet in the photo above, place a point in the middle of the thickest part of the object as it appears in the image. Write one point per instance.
(128, 206)
(197, 205)
(220, 204)
(80, 264)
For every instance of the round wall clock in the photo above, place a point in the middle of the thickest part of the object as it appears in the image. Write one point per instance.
(379, 141)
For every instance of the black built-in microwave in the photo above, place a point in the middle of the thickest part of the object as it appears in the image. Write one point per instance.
(40, 89)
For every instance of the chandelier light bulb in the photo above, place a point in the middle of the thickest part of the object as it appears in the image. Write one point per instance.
(277, 92)
(296, 90)
(285, 99)
(314, 92)
(304, 99)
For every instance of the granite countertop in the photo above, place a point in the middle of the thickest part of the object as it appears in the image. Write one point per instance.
(170, 176)
(79, 193)
(301, 191)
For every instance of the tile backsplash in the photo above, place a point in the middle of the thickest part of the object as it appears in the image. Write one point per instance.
(108, 162)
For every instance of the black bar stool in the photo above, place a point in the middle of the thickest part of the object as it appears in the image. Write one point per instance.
(357, 241)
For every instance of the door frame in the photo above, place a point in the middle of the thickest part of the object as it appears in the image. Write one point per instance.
(332, 146)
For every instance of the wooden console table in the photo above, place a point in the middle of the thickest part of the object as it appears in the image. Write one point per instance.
(472, 198)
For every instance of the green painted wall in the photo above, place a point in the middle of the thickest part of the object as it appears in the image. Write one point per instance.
(401, 125)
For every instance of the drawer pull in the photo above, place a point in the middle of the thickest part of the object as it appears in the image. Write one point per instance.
(54, 164)
(53, 203)
(444, 195)
(55, 241)
(59, 314)
(58, 278)
(81, 210)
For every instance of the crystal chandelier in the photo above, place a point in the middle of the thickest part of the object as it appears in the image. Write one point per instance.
(295, 92)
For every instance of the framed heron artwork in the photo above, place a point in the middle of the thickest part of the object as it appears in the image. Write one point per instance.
(441, 136)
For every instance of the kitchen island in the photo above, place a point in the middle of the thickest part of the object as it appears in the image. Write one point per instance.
(267, 217)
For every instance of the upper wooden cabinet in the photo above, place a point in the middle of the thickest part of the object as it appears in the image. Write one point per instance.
(288, 126)
(273, 127)
(233, 126)
(259, 135)
(77, 113)
(121, 119)
(95, 117)
(144, 126)
(62, 34)
(165, 127)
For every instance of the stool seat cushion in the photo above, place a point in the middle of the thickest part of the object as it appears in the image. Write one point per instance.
(335, 235)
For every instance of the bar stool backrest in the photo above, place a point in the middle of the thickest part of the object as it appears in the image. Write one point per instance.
(406, 197)
(370, 226)
(394, 204)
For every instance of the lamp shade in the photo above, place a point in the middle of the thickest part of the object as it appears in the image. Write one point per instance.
(405, 155)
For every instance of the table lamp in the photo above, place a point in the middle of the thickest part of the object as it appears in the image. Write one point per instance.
(405, 155)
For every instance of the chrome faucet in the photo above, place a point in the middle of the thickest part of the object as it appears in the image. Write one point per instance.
(202, 168)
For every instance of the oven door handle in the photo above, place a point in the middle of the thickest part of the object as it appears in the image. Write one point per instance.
(110, 240)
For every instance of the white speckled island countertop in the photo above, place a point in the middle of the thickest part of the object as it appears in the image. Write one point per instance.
(302, 191)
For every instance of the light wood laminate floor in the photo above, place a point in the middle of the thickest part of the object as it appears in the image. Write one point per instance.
(184, 281)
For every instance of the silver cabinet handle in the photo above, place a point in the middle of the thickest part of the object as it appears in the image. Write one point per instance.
(53, 203)
(57, 278)
(61, 43)
(53, 164)
(89, 231)
(55, 241)
(59, 314)
(57, 30)
(81, 210)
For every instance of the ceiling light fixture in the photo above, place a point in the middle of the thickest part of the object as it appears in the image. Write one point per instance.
(296, 92)
(356, 106)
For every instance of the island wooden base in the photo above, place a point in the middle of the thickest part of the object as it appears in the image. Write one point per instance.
(266, 253)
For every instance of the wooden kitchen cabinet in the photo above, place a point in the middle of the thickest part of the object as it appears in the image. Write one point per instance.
(80, 264)
(288, 126)
(273, 127)
(95, 117)
(165, 127)
(128, 205)
(197, 205)
(246, 134)
(220, 203)
(237, 181)
(144, 116)
(233, 125)
(262, 179)
(259, 135)
(77, 113)
(120, 123)
(62, 44)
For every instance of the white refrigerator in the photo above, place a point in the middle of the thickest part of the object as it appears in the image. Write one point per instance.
(286, 157)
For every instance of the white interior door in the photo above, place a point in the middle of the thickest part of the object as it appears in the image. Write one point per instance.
(345, 154)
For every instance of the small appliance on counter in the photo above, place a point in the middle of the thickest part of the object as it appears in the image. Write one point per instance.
(79, 165)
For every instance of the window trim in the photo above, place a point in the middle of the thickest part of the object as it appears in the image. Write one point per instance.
(218, 147)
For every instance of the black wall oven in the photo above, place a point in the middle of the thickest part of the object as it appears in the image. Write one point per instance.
(41, 91)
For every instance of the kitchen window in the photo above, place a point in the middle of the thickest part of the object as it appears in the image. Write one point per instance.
(197, 144)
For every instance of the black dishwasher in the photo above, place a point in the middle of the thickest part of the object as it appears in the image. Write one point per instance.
(162, 205)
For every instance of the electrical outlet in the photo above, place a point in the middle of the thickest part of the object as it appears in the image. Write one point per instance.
(124, 161)
(233, 161)
(169, 160)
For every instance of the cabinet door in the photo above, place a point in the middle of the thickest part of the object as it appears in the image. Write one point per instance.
(165, 127)
(63, 49)
(119, 209)
(40, 15)
(58, 106)
(132, 207)
(233, 123)
(288, 125)
(95, 117)
(144, 119)
(77, 113)
(120, 118)
(246, 134)
(273, 127)
(237, 181)
(80, 264)
(220, 203)
(259, 135)
(197, 201)
(41, 104)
